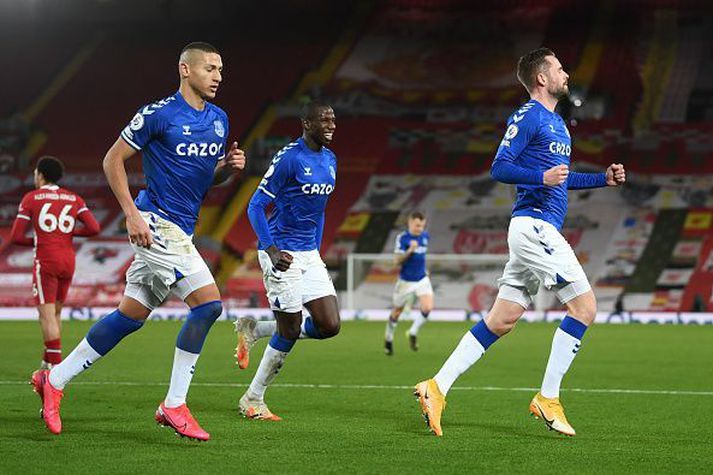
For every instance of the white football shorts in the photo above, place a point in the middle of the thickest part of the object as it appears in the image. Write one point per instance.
(406, 290)
(172, 264)
(307, 279)
(539, 254)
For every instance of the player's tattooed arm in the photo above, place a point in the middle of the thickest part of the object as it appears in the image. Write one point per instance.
(233, 162)
(616, 175)
(115, 172)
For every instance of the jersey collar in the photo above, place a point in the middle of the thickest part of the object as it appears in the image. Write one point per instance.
(179, 97)
(542, 106)
(306, 148)
(49, 187)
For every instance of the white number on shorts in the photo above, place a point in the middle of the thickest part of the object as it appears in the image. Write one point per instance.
(49, 222)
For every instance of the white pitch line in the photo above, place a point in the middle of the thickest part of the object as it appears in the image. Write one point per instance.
(657, 392)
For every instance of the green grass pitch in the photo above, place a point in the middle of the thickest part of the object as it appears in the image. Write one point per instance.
(352, 409)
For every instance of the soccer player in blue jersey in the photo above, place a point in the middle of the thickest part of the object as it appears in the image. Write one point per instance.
(535, 156)
(299, 181)
(413, 283)
(183, 139)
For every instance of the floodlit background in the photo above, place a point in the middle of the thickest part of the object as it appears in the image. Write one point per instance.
(422, 90)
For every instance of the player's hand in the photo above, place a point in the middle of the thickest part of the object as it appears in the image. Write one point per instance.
(616, 175)
(280, 259)
(235, 158)
(413, 245)
(556, 175)
(138, 230)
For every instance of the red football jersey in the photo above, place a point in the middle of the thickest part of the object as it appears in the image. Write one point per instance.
(53, 212)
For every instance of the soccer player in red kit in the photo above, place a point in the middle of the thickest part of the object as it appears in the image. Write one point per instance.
(53, 212)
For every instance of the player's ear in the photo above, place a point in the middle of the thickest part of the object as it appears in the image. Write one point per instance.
(183, 70)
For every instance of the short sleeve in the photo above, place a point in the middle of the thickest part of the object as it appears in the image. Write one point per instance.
(147, 124)
(81, 205)
(276, 176)
(401, 243)
(25, 210)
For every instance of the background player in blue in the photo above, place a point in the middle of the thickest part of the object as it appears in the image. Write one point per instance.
(183, 138)
(413, 282)
(299, 181)
(534, 155)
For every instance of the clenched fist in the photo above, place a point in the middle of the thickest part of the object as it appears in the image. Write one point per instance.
(556, 175)
(616, 175)
(235, 158)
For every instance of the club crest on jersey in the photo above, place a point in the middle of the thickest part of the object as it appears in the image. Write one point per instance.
(137, 122)
(332, 172)
(219, 129)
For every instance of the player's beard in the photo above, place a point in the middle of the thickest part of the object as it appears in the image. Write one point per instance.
(560, 92)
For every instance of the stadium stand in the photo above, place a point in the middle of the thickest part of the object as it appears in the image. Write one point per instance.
(416, 129)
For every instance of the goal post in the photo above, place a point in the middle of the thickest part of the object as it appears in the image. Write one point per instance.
(460, 281)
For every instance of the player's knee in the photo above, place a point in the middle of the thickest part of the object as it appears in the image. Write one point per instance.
(501, 327)
(207, 313)
(214, 309)
(289, 329)
(588, 314)
(330, 328)
(583, 308)
(500, 324)
(199, 322)
(290, 333)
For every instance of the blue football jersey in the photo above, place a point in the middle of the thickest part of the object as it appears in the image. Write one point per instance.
(413, 269)
(181, 148)
(537, 139)
(299, 182)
